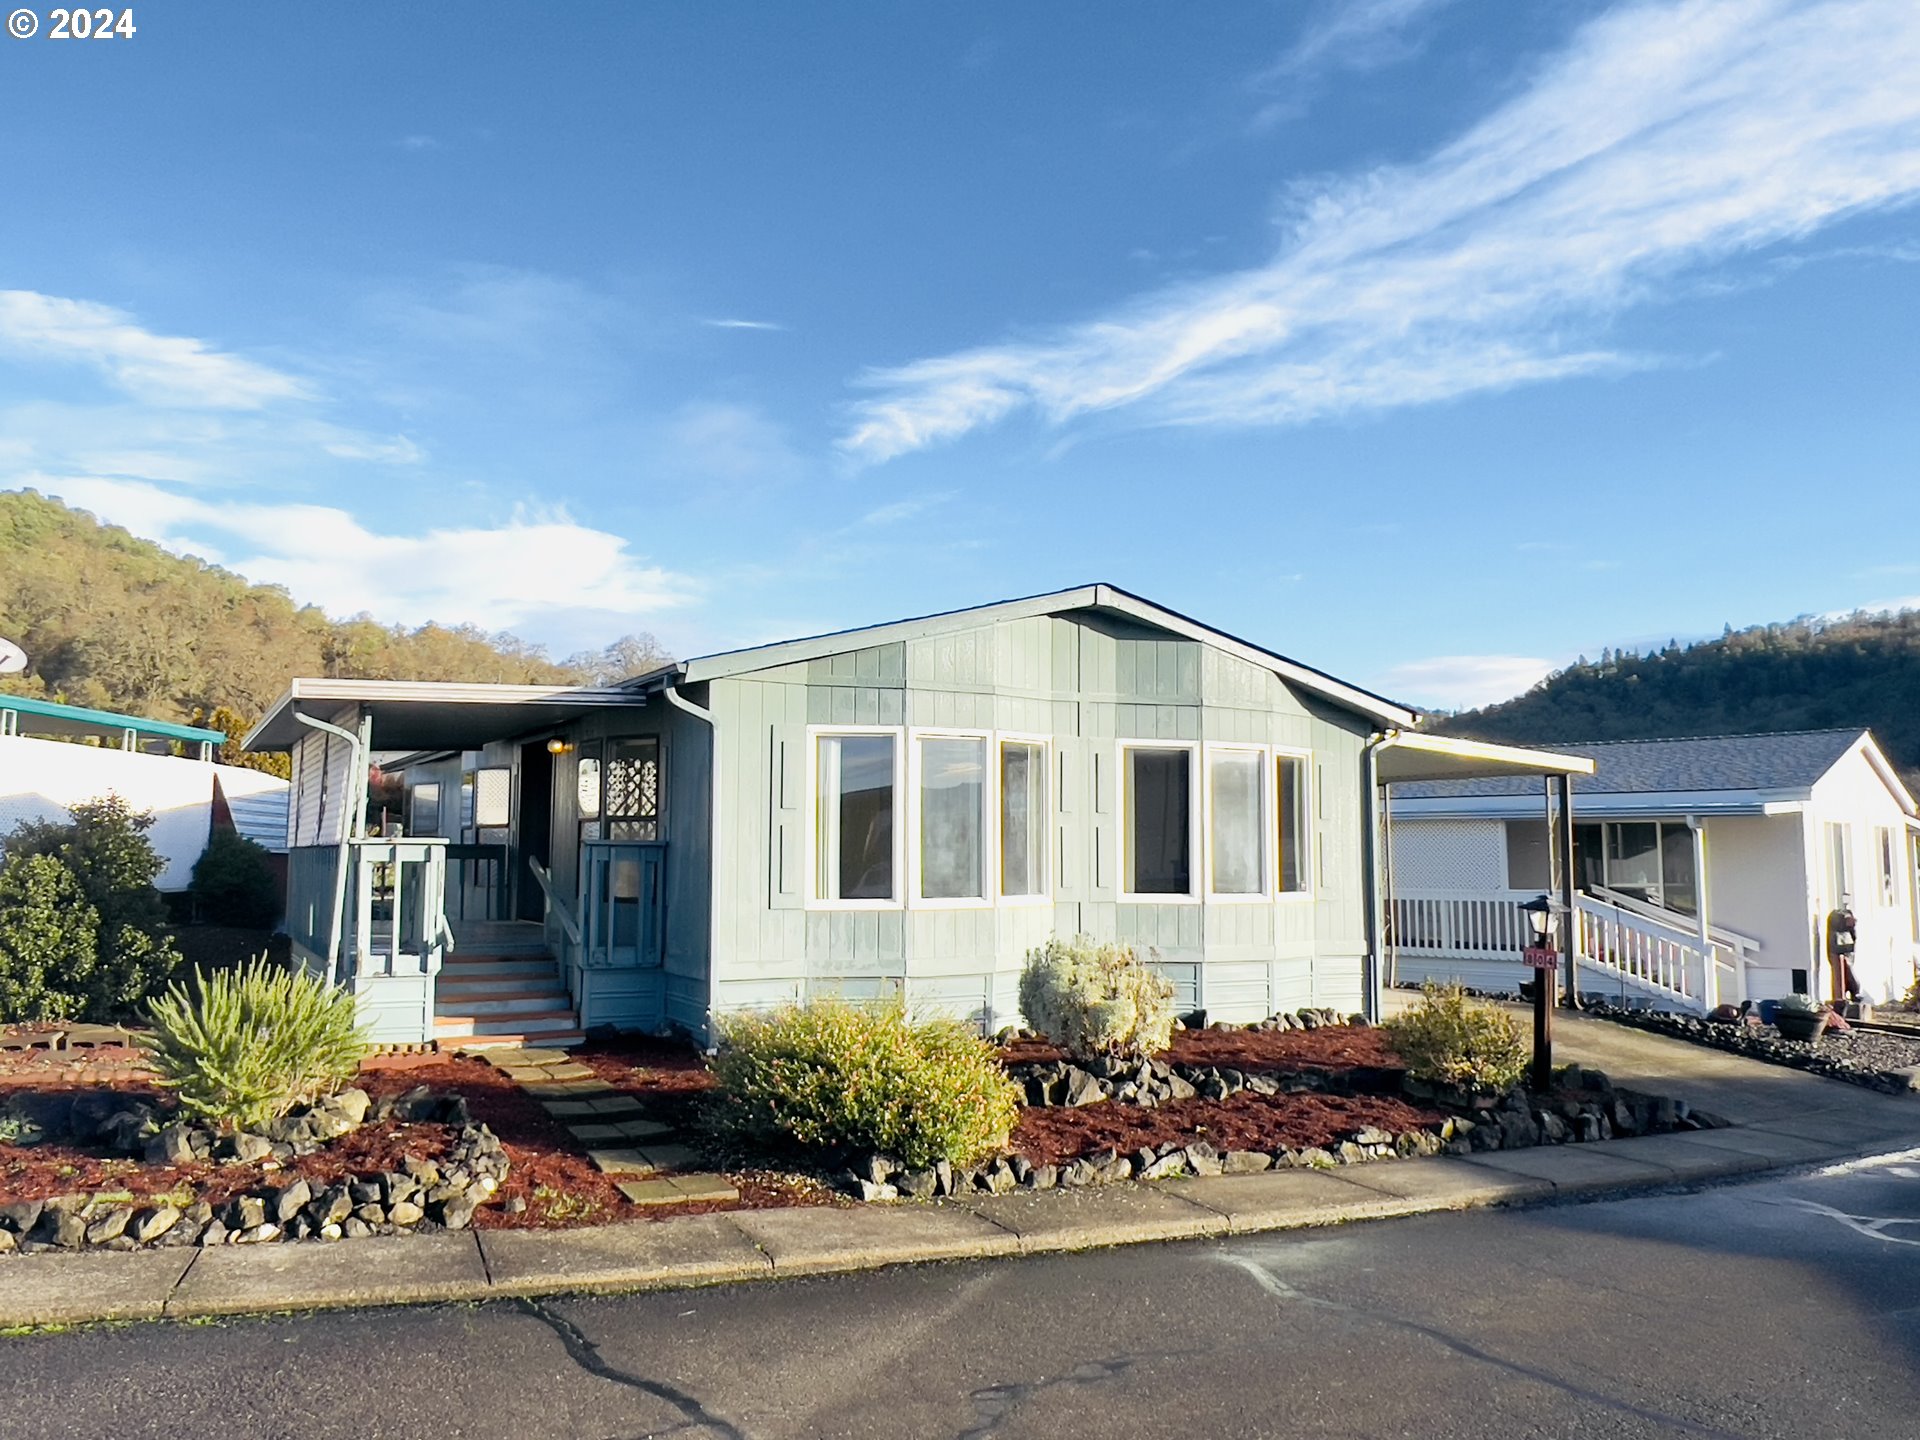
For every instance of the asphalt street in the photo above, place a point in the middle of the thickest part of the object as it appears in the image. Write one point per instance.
(1784, 1308)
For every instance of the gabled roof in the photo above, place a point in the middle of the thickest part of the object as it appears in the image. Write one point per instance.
(1708, 772)
(1109, 598)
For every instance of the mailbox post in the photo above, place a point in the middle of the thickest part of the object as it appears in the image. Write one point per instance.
(1544, 960)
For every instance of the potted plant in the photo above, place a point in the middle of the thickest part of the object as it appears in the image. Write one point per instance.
(1799, 1018)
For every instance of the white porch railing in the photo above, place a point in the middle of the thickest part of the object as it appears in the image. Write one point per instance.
(1650, 955)
(397, 895)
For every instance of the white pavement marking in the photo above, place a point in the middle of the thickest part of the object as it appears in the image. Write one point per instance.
(1873, 1227)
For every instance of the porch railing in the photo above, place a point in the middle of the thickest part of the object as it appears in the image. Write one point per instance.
(313, 911)
(623, 908)
(477, 879)
(397, 904)
(1613, 941)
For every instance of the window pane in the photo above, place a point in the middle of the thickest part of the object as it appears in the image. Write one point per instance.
(1023, 818)
(1158, 862)
(587, 787)
(1528, 867)
(953, 834)
(1235, 789)
(493, 796)
(426, 810)
(632, 793)
(1294, 829)
(853, 858)
(1589, 855)
(1677, 888)
(1633, 859)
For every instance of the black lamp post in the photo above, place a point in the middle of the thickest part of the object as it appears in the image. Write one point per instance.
(1545, 961)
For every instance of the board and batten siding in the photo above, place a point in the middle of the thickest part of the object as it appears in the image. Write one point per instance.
(1088, 682)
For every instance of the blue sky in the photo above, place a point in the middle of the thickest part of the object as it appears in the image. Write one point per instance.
(1431, 343)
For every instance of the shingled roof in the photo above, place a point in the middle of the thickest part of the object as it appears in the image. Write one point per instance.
(1786, 760)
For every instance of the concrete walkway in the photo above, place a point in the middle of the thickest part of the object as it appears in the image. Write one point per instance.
(1784, 1119)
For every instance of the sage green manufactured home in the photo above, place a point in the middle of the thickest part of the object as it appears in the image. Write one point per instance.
(903, 810)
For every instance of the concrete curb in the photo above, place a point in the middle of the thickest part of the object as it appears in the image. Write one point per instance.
(67, 1289)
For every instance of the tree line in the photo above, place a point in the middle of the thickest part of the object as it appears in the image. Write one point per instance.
(1812, 673)
(115, 622)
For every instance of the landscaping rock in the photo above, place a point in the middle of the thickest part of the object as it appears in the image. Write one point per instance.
(870, 1190)
(247, 1212)
(289, 1201)
(1083, 1088)
(1202, 1158)
(456, 1211)
(880, 1169)
(214, 1234)
(354, 1228)
(20, 1216)
(917, 1184)
(109, 1224)
(150, 1225)
(405, 1212)
(1043, 1177)
(172, 1145)
(246, 1148)
(333, 1206)
(1245, 1162)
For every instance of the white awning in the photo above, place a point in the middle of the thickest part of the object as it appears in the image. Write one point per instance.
(1414, 755)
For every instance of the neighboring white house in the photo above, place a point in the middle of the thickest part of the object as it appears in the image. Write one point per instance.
(41, 778)
(1731, 849)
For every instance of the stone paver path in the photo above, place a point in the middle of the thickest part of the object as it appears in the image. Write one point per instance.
(614, 1130)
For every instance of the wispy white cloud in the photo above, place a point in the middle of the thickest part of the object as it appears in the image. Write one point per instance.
(417, 143)
(1666, 136)
(906, 509)
(1355, 35)
(1464, 682)
(511, 574)
(168, 370)
(735, 324)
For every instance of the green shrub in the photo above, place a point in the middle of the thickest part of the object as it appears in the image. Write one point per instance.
(234, 881)
(1092, 999)
(244, 1047)
(1450, 1039)
(831, 1075)
(47, 932)
(105, 847)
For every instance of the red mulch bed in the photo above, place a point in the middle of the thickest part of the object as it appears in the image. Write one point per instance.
(1246, 1121)
(550, 1170)
(1330, 1048)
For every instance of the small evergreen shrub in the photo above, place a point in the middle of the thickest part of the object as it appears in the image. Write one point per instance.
(47, 932)
(244, 1047)
(105, 848)
(234, 882)
(834, 1076)
(1092, 999)
(1451, 1039)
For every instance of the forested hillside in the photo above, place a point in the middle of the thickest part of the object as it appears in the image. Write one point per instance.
(113, 621)
(1806, 674)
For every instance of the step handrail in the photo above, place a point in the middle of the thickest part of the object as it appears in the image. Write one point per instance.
(555, 905)
(1681, 925)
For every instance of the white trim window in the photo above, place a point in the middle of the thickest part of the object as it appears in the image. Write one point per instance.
(953, 799)
(1237, 824)
(1839, 864)
(1159, 822)
(1024, 819)
(1889, 875)
(1293, 809)
(855, 856)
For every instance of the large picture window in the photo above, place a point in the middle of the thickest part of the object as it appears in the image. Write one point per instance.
(1158, 819)
(1023, 818)
(953, 817)
(1236, 822)
(1295, 868)
(855, 799)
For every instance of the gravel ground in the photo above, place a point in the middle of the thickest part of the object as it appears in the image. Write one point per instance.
(1862, 1057)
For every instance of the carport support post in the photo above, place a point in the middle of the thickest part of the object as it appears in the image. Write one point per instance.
(1569, 908)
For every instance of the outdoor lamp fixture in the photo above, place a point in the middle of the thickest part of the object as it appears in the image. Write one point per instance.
(1539, 913)
(1545, 962)
(557, 746)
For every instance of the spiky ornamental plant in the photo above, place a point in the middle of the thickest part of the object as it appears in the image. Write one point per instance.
(246, 1046)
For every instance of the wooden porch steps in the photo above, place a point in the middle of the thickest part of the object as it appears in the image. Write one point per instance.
(505, 999)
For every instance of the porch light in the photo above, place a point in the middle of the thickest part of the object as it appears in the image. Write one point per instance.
(1539, 913)
(557, 746)
(1540, 956)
